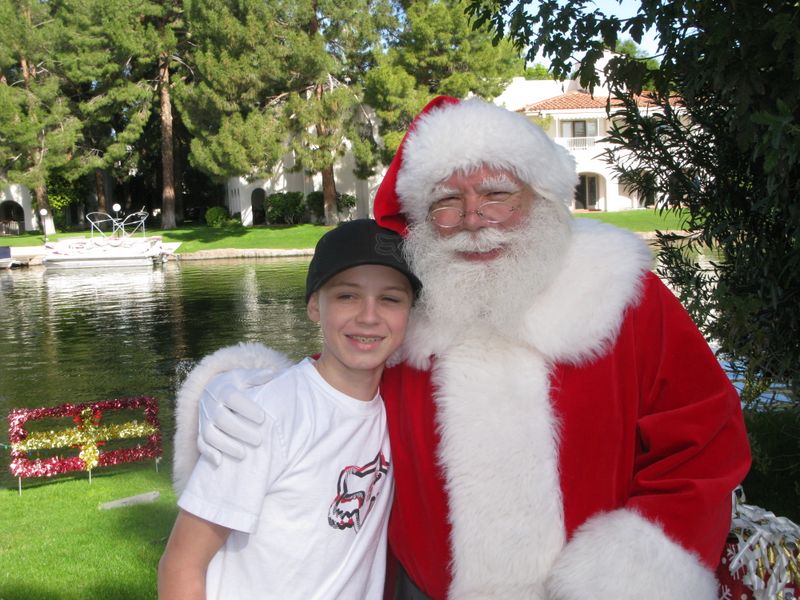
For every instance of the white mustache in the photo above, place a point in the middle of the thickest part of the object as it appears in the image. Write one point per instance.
(475, 241)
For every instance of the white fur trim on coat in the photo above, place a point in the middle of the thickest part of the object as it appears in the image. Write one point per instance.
(622, 556)
(502, 482)
(578, 316)
(245, 355)
(472, 133)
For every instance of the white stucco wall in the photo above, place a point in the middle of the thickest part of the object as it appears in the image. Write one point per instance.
(522, 92)
(21, 195)
(239, 191)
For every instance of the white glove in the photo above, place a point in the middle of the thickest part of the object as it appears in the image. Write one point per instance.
(229, 418)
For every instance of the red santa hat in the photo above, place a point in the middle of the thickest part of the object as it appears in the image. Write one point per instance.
(451, 135)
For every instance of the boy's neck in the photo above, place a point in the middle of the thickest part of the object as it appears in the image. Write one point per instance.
(358, 384)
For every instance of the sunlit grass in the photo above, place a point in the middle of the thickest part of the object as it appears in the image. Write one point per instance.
(57, 544)
(640, 220)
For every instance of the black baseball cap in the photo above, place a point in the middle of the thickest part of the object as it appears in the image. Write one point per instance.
(354, 243)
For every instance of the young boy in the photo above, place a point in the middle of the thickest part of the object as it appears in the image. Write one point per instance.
(304, 515)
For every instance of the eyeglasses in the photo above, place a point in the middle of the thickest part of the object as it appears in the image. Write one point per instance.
(493, 212)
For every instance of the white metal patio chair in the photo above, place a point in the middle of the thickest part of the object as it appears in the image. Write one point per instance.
(100, 220)
(131, 223)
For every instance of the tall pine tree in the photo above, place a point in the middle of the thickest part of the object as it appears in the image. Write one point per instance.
(113, 104)
(38, 128)
(340, 41)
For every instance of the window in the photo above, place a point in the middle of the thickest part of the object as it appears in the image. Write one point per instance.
(579, 129)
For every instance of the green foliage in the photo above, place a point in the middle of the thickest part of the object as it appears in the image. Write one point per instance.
(537, 72)
(102, 76)
(316, 208)
(774, 480)
(39, 128)
(242, 64)
(436, 51)
(339, 43)
(285, 207)
(216, 216)
(62, 192)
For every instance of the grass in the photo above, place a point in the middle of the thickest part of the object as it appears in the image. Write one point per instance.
(200, 237)
(639, 220)
(58, 545)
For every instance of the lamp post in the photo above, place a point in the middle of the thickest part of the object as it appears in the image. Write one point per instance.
(116, 208)
(43, 213)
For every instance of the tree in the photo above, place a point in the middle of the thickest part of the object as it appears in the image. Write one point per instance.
(341, 42)
(231, 102)
(724, 145)
(275, 76)
(111, 102)
(537, 72)
(436, 51)
(38, 128)
(154, 35)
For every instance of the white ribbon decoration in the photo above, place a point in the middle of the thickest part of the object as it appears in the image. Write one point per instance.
(765, 542)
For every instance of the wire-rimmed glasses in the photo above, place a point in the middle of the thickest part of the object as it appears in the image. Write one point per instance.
(494, 212)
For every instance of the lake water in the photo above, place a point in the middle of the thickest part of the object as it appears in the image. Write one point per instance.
(92, 335)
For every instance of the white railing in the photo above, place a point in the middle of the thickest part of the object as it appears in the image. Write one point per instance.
(578, 143)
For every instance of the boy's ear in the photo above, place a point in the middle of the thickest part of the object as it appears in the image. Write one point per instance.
(312, 308)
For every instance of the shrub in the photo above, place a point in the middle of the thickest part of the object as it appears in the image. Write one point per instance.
(316, 204)
(216, 216)
(285, 207)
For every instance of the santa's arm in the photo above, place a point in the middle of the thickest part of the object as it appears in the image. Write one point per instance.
(243, 365)
(666, 541)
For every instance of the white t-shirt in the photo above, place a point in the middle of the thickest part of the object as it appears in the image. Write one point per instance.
(310, 506)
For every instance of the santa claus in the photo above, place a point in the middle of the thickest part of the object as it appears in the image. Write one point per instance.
(560, 429)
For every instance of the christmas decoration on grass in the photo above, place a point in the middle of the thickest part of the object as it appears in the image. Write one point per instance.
(88, 434)
(761, 560)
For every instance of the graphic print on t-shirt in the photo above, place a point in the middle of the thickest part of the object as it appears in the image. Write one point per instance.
(357, 490)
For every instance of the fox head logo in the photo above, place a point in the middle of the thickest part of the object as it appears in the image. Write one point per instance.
(356, 492)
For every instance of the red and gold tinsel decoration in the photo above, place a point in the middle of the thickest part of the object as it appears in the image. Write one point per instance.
(87, 435)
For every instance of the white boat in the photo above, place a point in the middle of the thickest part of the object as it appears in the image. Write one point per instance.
(120, 249)
(108, 252)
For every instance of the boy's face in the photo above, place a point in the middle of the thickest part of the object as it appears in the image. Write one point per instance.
(363, 312)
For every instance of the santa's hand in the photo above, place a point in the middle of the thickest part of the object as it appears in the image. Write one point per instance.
(229, 418)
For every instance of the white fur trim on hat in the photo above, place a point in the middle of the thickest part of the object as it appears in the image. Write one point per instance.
(472, 133)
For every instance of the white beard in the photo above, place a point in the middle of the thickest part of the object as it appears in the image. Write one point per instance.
(458, 295)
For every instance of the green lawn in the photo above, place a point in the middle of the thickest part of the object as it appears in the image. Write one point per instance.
(639, 220)
(56, 543)
(201, 237)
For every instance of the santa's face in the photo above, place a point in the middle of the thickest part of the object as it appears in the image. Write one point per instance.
(479, 271)
(483, 198)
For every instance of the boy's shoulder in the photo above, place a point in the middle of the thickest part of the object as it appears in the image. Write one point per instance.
(287, 383)
(240, 382)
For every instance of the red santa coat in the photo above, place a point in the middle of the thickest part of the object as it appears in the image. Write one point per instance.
(588, 454)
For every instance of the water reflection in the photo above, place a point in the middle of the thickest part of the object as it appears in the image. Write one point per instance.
(89, 335)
